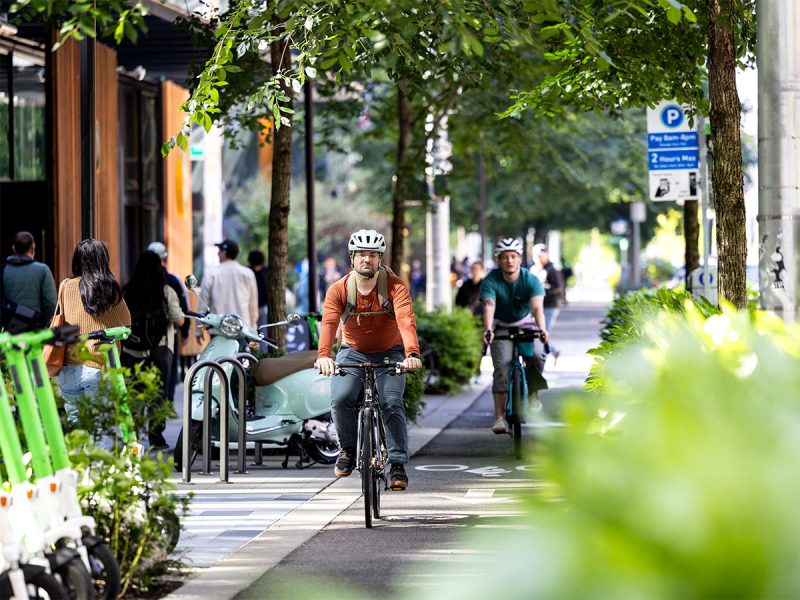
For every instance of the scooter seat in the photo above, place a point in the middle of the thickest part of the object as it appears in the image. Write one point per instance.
(270, 370)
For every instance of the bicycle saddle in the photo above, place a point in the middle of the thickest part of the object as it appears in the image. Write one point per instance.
(270, 370)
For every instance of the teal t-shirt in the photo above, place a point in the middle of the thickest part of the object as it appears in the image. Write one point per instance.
(512, 301)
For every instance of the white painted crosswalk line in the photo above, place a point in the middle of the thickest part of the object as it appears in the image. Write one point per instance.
(476, 493)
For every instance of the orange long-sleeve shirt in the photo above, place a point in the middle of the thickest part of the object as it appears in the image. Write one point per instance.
(374, 333)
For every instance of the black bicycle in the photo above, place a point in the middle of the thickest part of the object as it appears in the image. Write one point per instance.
(516, 409)
(372, 455)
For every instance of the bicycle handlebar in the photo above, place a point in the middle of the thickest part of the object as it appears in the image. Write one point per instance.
(517, 334)
(341, 368)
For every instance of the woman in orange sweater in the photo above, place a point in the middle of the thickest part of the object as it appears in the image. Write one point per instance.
(92, 299)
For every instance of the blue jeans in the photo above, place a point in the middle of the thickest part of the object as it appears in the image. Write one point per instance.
(550, 316)
(344, 403)
(75, 381)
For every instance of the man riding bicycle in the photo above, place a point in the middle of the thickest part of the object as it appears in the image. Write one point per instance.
(374, 308)
(512, 297)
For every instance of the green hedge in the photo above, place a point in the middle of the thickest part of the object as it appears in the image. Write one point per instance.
(628, 316)
(456, 340)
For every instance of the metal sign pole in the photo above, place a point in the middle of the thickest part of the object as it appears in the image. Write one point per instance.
(704, 188)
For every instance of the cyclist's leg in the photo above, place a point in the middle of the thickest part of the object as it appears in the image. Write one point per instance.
(344, 401)
(534, 368)
(502, 351)
(390, 393)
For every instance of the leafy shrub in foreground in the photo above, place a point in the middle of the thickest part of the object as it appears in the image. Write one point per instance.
(680, 480)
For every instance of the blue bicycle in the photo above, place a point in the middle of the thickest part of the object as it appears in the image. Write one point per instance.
(517, 404)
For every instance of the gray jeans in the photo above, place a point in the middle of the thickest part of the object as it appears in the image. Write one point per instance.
(502, 351)
(345, 393)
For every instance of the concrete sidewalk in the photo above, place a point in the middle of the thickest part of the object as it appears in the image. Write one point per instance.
(236, 532)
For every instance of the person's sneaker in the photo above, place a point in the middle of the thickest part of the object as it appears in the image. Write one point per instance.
(500, 425)
(398, 480)
(345, 463)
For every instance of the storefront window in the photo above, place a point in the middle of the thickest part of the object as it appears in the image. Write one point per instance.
(22, 117)
(29, 117)
(5, 102)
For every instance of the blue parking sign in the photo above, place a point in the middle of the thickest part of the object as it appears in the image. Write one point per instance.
(672, 116)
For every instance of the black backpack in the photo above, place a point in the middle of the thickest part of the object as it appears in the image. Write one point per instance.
(148, 328)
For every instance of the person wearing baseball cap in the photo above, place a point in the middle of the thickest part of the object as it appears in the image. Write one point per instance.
(231, 288)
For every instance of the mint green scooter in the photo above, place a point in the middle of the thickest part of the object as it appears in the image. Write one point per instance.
(35, 514)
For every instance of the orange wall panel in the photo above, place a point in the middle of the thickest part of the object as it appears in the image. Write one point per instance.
(177, 185)
(107, 204)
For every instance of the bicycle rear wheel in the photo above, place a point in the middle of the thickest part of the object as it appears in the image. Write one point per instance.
(516, 412)
(367, 466)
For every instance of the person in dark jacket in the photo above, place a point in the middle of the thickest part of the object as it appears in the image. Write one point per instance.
(28, 288)
(469, 296)
(553, 290)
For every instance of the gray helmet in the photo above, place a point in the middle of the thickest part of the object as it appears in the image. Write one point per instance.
(367, 239)
(508, 244)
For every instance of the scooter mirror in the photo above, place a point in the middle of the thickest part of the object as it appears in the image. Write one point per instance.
(192, 283)
(292, 319)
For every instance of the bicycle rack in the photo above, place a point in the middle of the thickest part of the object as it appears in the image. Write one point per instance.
(242, 442)
(213, 368)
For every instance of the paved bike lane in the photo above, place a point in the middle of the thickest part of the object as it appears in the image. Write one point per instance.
(462, 478)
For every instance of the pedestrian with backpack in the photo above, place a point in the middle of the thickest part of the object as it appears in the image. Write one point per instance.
(374, 308)
(28, 288)
(155, 312)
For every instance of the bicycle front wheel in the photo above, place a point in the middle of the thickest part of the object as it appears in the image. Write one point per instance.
(367, 465)
(516, 412)
(377, 474)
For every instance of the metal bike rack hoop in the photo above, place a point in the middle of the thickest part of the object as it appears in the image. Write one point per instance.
(242, 426)
(213, 367)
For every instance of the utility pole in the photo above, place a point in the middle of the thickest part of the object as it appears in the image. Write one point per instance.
(705, 189)
(779, 156)
(638, 215)
(437, 224)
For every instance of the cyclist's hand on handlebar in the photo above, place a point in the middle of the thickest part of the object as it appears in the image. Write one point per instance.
(488, 336)
(326, 366)
(545, 336)
(411, 363)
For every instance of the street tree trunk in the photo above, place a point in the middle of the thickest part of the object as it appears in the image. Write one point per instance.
(278, 244)
(726, 172)
(401, 179)
(691, 235)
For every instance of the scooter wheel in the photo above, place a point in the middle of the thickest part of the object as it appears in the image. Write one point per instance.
(77, 581)
(45, 586)
(323, 453)
(105, 572)
(170, 527)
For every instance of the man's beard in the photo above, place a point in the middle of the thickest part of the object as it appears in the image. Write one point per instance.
(369, 274)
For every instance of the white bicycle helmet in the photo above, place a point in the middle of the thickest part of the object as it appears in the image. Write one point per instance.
(367, 239)
(508, 244)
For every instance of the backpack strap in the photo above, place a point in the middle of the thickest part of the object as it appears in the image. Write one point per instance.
(383, 297)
